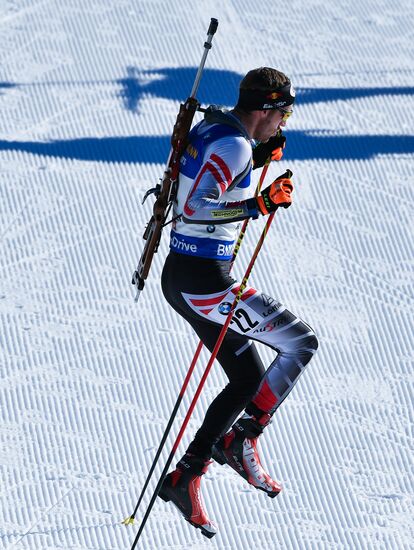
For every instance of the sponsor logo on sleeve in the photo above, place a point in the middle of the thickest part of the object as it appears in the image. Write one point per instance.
(223, 214)
(192, 151)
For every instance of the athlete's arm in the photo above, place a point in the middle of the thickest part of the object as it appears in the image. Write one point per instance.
(224, 160)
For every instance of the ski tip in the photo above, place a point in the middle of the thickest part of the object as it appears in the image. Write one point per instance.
(129, 521)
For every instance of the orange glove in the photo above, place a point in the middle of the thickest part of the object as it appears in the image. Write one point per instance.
(279, 193)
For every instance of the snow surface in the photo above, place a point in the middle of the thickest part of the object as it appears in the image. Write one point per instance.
(88, 97)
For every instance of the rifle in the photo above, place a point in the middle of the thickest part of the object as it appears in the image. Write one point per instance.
(166, 191)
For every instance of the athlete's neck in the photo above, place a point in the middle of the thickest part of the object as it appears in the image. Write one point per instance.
(248, 119)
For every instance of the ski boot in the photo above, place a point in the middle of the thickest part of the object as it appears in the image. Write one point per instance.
(238, 449)
(182, 488)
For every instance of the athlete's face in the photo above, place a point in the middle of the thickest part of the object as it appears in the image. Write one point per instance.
(271, 122)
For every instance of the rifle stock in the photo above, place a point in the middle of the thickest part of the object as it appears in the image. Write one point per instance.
(166, 191)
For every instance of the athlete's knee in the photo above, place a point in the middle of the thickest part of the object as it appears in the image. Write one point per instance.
(312, 342)
(307, 346)
(302, 344)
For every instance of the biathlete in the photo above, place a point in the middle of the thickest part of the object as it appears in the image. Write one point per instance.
(215, 194)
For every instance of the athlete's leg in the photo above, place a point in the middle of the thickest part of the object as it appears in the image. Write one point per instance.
(262, 318)
(257, 317)
(244, 369)
(237, 354)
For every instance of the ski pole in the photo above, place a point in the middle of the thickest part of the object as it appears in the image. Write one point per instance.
(246, 221)
(130, 520)
(204, 377)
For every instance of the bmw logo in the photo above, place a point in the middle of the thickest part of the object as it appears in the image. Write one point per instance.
(210, 229)
(225, 308)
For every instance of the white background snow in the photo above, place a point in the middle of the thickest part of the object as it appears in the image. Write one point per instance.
(88, 378)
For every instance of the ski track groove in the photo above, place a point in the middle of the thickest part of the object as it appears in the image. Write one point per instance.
(23, 12)
(393, 290)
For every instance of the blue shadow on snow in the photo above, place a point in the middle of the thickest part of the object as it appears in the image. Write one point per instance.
(137, 149)
(219, 87)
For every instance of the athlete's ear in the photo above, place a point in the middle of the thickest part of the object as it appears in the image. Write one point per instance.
(266, 114)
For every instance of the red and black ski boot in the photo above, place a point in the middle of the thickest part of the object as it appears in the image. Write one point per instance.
(182, 488)
(238, 449)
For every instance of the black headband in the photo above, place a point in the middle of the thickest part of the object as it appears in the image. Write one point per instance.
(260, 100)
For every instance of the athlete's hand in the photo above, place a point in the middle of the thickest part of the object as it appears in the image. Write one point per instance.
(279, 193)
(271, 149)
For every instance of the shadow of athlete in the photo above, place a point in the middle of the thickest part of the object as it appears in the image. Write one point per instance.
(217, 87)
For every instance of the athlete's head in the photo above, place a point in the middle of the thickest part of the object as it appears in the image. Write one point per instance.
(265, 89)
(266, 96)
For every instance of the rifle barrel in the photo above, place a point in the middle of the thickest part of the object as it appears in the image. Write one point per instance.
(207, 46)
